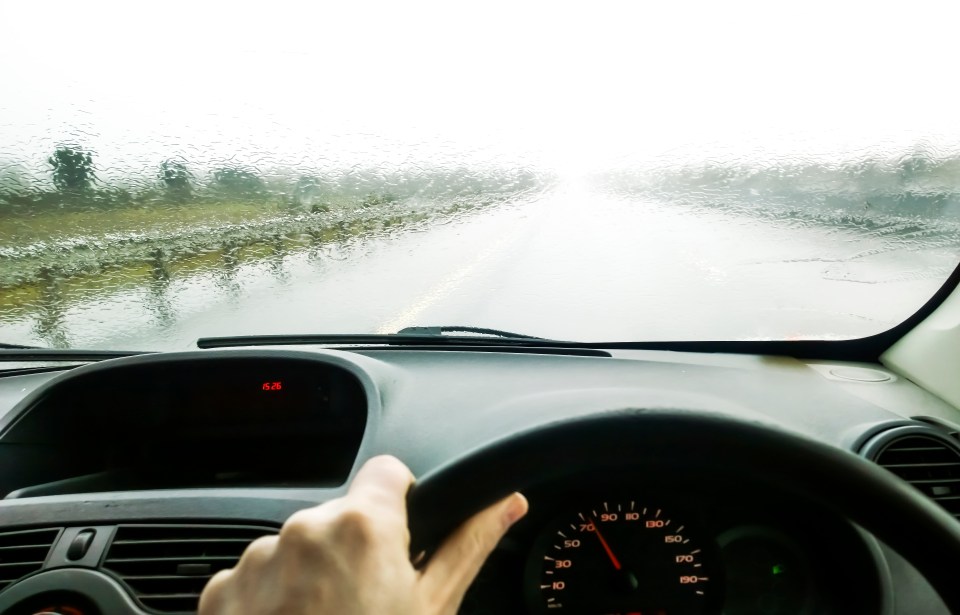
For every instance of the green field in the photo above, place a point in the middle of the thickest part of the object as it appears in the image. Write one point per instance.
(26, 228)
(56, 259)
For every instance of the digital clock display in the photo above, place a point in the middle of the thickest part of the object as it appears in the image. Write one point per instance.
(246, 396)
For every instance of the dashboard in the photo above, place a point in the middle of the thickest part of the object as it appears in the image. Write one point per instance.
(127, 483)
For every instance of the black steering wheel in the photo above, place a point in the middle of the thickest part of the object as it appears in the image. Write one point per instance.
(893, 511)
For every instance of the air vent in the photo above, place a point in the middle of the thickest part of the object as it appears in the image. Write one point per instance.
(22, 553)
(924, 457)
(167, 566)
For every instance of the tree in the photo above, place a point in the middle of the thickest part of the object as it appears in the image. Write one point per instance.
(177, 180)
(917, 167)
(13, 179)
(238, 183)
(307, 193)
(72, 168)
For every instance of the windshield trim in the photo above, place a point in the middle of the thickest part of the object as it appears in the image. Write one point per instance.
(865, 349)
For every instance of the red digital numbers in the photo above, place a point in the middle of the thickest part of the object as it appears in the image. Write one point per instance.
(272, 386)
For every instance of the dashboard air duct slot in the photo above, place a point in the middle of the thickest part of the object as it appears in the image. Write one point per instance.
(166, 566)
(24, 552)
(923, 456)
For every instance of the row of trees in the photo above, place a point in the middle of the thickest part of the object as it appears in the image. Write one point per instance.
(73, 172)
(76, 184)
(918, 182)
(919, 170)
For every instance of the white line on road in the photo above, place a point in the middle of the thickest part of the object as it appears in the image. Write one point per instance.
(447, 285)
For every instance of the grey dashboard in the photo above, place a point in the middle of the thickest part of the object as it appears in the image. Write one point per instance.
(162, 449)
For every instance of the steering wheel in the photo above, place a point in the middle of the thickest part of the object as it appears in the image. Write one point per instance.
(893, 511)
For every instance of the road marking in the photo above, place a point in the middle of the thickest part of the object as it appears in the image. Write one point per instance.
(447, 285)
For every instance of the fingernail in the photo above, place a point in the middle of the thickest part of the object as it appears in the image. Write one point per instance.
(418, 558)
(517, 507)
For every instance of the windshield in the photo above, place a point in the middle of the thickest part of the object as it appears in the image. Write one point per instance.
(593, 172)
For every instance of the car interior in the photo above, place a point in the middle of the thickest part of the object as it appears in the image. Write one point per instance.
(247, 247)
(691, 477)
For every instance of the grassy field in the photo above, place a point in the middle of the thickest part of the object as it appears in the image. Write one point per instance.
(21, 229)
(53, 260)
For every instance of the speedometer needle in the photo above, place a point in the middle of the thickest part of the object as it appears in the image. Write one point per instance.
(606, 547)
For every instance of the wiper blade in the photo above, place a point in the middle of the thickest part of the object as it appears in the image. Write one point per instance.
(18, 347)
(412, 336)
(465, 329)
(27, 353)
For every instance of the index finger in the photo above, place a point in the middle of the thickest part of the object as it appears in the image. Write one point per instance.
(383, 481)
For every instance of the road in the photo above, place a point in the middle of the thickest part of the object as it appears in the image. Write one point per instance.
(568, 264)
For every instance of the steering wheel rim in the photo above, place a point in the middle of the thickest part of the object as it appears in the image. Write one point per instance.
(875, 499)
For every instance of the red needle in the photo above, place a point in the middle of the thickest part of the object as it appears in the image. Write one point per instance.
(606, 547)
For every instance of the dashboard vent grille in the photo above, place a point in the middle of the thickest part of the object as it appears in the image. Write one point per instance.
(24, 552)
(167, 566)
(931, 463)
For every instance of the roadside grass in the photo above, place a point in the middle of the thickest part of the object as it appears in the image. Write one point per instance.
(59, 282)
(28, 227)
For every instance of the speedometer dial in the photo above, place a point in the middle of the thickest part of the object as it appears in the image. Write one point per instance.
(620, 557)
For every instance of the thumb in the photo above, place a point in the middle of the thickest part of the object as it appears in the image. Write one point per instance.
(456, 563)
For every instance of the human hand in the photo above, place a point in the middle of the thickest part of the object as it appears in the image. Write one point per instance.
(351, 555)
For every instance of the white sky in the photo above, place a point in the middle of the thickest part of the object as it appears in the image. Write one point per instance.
(571, 85)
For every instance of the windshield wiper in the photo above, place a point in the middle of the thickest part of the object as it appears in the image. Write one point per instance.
(410, 336)
(4, 346)
(465, 329)
(17, 360)
(36, 354)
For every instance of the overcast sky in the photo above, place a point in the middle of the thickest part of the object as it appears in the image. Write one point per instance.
(567, 85)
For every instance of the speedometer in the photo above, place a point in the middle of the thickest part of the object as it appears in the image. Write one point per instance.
(622, 557)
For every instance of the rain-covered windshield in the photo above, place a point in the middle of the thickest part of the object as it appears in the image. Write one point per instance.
(595, 171)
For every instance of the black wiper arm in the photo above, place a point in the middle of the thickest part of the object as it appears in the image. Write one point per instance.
(425, 336)
(465, 329)
(30, 354)
(18, 347)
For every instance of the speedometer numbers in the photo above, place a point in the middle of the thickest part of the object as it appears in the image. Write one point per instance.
(619, 558)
